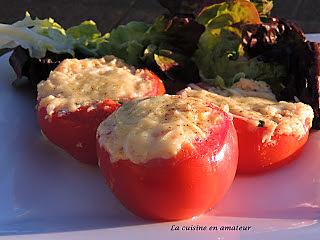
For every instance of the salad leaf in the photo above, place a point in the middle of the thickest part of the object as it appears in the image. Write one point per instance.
(165, 63)
(182, 34)
(41, 35)
(220, 56)
(176, 34)
(225, 64)
(127, 42)
(236, 12)
(87, 39)
(177, 70)
(173, 41)
(165, 46)
(44, 43)
(282, 42)
(38, 36)
(264, 7)
(30, 71)
(214, 55)
(41, 44)
(194, 7)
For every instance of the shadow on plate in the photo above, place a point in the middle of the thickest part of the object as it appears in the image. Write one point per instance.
(290, 192)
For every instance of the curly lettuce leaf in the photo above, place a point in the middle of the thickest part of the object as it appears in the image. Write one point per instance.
(181, 34)
(165, 47)
(87, 39)
(39, 40)
(192, 7)
(39, 45)
(127, 42)
(215, 53)
(176, 69)
(38, 36)
(173, 41)
(220, 56)
(137, 42)
(271, 73)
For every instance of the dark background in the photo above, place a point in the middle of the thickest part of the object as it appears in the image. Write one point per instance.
(109, 13)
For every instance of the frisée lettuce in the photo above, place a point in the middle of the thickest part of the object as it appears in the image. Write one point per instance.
(41, 35)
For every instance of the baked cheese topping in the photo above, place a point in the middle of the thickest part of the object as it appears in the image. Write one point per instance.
(277, 117)
(142, 130)
(75, 83)
(243, 88)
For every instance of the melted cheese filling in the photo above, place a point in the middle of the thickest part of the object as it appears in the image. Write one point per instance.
(75, 83)
(142, 130)
(277, 117)
(243, 88)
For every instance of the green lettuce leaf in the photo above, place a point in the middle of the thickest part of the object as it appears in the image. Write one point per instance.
(264, 7)
(127, 42)
(38, 36)
(220, 56)
(41, 35)
(87, 39)
(192, 7)
(141, 44)
(215, 53)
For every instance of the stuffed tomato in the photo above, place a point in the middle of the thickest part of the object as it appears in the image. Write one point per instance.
(168, 157)
(79, 94)
(270, 133)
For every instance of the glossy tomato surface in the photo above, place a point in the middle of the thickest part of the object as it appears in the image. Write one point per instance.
(256, 156)
(180, 187)
(75, 132)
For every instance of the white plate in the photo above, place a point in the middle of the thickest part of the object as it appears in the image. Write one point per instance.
(45, 194)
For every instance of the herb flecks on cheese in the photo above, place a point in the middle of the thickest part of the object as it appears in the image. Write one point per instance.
(76, 83)
(156, 127)
(276, 117)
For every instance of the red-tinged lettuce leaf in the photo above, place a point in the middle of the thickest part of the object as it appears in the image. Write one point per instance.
(178, 34)
(39, 45)
(128, 42)
(176, 70)
(30, 71)
(282, 42)
(173, 57)
(311, 92)
(165, 63)
(165, 47)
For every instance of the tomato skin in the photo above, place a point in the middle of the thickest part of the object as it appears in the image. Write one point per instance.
(180, 187)
(75, 132)
(158, 88)
(256, 156)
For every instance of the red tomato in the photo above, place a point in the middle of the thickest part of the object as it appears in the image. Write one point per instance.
(256, 156)
(179, 187)
(75, 132)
